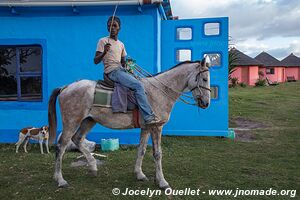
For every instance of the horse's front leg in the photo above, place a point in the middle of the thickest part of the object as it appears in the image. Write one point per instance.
(140, 155)
(156, 132)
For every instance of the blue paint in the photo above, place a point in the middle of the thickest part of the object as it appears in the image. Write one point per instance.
(212, 121)
(68, 40)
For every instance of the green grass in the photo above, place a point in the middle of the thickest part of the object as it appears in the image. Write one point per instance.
(270, 161)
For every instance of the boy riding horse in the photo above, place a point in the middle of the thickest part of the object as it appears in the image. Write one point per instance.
(112, 52)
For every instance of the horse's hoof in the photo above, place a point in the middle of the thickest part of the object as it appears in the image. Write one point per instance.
(93, 173)
(64, 185)
(164, 187)
(143, 179)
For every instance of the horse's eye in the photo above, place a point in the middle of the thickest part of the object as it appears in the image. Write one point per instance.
(205, 79)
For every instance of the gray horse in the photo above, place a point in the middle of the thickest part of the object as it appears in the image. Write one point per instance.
(163, 90)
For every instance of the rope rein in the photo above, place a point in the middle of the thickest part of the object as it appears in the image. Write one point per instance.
(142, 72)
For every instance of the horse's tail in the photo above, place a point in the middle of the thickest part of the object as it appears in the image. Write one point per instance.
(52, 120)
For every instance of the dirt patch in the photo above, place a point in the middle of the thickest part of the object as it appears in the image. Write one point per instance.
(244, 136)
(242, 123)
(244, 128)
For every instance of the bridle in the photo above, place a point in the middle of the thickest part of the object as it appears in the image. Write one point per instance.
(198, 82)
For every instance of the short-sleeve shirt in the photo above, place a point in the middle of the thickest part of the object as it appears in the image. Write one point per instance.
(112, 59)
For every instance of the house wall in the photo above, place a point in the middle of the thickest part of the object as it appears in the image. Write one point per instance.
(69, 42)
(246, 74)
(187, 119)
(278, 76)
(238, 74)
(293, 71)
(253, 75)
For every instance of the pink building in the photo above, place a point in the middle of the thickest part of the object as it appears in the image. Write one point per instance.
(273, 69)
(246, 68)
(292, 67)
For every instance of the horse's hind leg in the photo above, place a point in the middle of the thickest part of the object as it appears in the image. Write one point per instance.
(86, 125)
(60, 150)
(140, 155)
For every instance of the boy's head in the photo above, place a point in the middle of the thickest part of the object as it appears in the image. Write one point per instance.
(113, 26)
(116, 19)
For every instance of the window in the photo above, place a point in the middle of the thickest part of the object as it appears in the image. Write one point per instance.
(270, 71)
(214, 92)
(184, 33)
(21, 73)
(215, 59)
(211, 29)
(183, 55)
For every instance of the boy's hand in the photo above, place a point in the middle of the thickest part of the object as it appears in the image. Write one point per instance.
(107, 47)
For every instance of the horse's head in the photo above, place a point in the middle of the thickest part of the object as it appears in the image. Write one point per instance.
(199, 83)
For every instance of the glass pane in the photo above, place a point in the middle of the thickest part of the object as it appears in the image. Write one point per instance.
(184, 33)
(214, 92)
(31, 88)
(30, 59)
(183, 55)
(212, 29)
(215, 59)
(8, 83)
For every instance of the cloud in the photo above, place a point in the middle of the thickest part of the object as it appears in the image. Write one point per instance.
(254, 47)
(248, 18)
(252, 22)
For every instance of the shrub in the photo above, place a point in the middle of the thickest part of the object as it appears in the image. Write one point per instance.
(260, 82)
(242, 84)
(261, 74)
(234, 81)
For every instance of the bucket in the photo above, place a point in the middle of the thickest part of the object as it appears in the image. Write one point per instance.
(109, 144)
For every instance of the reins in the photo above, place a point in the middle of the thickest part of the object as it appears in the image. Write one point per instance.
(142, 72)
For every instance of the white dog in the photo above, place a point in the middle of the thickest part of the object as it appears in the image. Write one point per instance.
(39, 134)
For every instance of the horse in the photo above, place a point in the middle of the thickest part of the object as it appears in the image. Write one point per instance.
(163, 90)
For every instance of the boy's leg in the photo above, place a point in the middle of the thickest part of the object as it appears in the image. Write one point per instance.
(125, 79)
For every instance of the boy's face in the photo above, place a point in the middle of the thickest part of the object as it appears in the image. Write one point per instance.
(115, 28)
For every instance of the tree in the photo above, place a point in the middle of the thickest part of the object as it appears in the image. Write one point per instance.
(232, 61)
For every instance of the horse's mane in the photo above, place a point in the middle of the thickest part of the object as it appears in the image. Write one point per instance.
(182, 63)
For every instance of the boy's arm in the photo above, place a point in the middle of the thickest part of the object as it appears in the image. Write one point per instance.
(123, 62)
(100, 55)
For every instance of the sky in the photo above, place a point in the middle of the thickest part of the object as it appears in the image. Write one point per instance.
(272, 26)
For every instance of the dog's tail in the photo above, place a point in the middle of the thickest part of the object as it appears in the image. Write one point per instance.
(52, 119)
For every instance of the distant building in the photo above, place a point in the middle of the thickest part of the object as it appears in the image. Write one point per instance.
(292, 67)
(246, 68)
(273, 69)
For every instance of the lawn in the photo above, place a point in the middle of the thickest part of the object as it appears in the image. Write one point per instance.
(269, 159)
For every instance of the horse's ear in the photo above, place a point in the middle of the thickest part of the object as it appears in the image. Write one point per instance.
(207, 61)
(203, 62)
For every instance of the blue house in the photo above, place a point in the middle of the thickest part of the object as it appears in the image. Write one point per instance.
(48, 44)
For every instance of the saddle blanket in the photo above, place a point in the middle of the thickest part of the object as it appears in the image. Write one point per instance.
(102, 97)
(117, 99)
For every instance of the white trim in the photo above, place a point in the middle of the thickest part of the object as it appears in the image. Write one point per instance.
(29, 3)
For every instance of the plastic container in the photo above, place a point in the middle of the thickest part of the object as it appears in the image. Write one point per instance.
(109, 144)
(231, 134)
